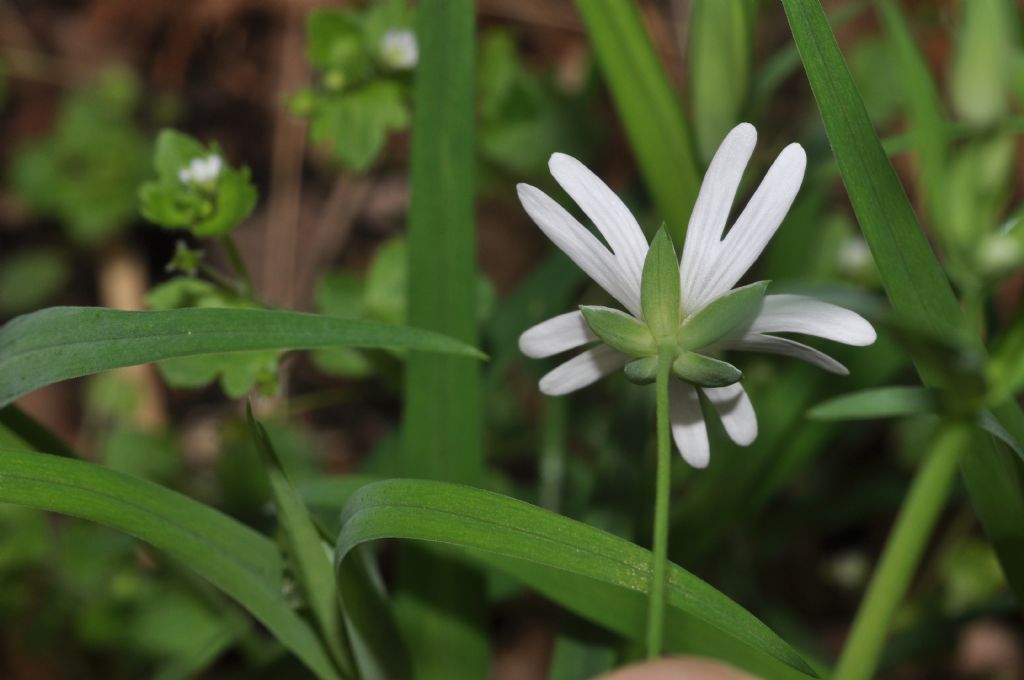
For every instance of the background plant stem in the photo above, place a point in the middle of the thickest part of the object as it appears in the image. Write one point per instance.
(656, 610)
(238, 265)
(902, 553)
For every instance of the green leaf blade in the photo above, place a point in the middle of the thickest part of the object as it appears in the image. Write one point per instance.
(719, 50)
(657, 129)
(911, 275)
(236, 559)
(880, 402)
(314, 570)
(440, 604)
(567, 560)
(913, 279)
(68, 342)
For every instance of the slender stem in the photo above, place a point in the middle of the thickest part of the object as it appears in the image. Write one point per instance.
(902, 553)
(238, 264)
(552, 454)
(656, 610)
(221, 279)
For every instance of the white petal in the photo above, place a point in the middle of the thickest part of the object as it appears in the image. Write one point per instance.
(755, 342)
(557, 334)
(711, 211)
(688, 428)
(607, 211)
(807, 315)
(755, 226)
(583, 369)
(580, 245)
(737, 413)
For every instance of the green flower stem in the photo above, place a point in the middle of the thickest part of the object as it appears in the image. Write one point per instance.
(656, 609)
(238, 265)
(902, 553)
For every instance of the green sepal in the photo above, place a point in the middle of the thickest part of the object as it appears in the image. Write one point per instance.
(619, 330)
(642, 371)
(704, 371)
(659, 287)
(721, 317)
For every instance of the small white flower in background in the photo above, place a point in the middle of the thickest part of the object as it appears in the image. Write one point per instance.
(202, 170)
(399, 49)
(854, 256)
(711, 265)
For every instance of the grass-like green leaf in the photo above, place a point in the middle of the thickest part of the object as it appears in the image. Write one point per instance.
(236, 559)
(67, 342)
(924, 106)
(657, 129)
(307, 550)
(19, 430)
(913, 278)
(914, 281)
(594, 573)
(720, 45)
(879, 402)
(440, 605)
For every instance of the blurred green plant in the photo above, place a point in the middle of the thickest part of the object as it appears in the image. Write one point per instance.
(525, 115)
(237, 372)
(84, 172)
(381, 294)
(195, 189)
(30, 277)
(362, 59)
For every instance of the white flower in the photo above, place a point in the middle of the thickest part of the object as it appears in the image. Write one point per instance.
(399, 49)
(710, 267)
(202, 170)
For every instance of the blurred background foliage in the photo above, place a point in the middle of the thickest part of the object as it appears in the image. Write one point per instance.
(306, 109)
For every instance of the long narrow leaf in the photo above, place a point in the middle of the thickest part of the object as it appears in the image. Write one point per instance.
(650, 111)
(19, 430)
(720, 44)
(913, 279)
(924, 105)
(308, 552)
(236, 559)
(599, 575)
(439, 604)
(67, 342)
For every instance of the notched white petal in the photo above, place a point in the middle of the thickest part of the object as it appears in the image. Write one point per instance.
(809, 316)
(557, 334)
(711, 211)
(607, 211)
(735, 411)
(688, 428)
(770, 344)
(580, 245)
(756, 225)
(583, 369)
